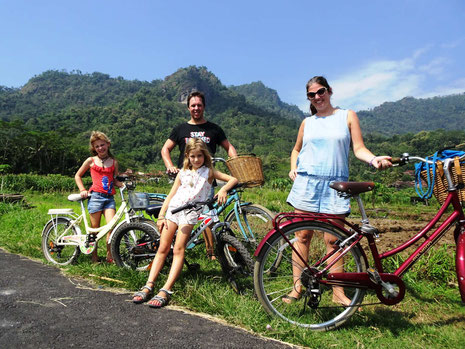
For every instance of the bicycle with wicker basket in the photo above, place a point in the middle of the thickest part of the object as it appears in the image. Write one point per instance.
(346, 265)
(249, 221)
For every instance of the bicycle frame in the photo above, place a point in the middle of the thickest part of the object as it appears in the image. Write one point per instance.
(355, 235)
(245, 228)
(75, 221)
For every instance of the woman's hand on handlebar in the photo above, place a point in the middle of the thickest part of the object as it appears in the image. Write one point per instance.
(381, 162)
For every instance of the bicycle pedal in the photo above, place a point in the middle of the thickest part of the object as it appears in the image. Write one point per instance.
(374, 276)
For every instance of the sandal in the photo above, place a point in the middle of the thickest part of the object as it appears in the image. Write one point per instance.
(144, 296)
(291, 299)
(162, 301)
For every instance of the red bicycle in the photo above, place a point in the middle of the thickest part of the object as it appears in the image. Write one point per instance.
(337, 263)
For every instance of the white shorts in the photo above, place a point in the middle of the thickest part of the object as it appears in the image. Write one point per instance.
(183, 217)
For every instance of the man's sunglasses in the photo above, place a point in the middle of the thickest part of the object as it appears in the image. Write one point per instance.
(320, 92)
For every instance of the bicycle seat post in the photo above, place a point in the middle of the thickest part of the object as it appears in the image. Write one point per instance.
(362, 209)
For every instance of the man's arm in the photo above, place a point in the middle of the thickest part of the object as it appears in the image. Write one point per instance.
(229, 148)
(166, 156)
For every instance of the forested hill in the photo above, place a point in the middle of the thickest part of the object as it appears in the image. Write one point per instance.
(54, 91)
(268, 99)
(411, 115)
(138, 116)
(45, 125)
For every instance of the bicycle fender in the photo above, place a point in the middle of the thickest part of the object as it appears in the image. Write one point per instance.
(69, 220)
(460, 263)
(115, 229)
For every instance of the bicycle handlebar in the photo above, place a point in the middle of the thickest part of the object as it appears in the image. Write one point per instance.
(195, 205)
(406, 158)
(218, 160)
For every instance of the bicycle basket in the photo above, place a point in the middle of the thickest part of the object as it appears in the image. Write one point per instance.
(138, 201)
(440, 182)
(247, 169)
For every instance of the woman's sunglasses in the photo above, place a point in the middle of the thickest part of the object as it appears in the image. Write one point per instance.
(320, 92)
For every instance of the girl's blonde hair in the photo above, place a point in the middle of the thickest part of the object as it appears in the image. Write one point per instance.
(96, 136)
(198, 144)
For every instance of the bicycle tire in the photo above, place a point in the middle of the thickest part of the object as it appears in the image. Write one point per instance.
(55, 252)
(236, 262)
(272, 283)
(134, 245)
(255, 217)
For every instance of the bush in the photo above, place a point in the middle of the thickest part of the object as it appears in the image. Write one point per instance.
(50, 183)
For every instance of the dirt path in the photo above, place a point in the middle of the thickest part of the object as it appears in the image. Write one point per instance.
(42, 308)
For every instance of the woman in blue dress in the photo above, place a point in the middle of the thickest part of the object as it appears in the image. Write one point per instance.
(321, 156)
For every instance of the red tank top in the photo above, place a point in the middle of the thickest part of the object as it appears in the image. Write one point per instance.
(103, 180)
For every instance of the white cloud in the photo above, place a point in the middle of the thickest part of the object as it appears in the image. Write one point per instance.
(391, 80)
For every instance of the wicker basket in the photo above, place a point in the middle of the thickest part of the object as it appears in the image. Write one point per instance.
(247, 169)
(440, 183)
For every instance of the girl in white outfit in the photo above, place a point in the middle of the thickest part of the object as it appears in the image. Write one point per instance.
(193, 183)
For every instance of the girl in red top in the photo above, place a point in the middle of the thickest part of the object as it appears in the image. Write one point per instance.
(103, 170)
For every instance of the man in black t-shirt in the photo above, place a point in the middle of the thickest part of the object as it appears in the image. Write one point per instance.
(196, 127)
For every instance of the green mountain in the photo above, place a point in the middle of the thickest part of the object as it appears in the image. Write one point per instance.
(45, 125)
(411, 115)
(54, 91)
(138, 116)
(264, 97)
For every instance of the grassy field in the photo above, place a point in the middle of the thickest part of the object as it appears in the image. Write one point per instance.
(431, 315)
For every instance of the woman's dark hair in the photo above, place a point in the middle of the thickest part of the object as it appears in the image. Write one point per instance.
(321, 80)
(195, 94)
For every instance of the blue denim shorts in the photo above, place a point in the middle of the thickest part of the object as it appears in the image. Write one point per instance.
(100, 202)
(313, 194)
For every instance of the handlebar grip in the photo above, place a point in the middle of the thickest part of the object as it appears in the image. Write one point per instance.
(396, 160)
(180, 208)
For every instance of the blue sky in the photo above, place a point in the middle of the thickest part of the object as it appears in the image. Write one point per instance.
(371, 51)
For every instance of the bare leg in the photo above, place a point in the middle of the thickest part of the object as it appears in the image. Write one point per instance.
(95, 223)
(301, 245)
(208, 237)
(178, 259)
(166, 239)
(338, 292)
(109, 214)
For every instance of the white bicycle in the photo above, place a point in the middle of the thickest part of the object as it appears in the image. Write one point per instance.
(63, 239)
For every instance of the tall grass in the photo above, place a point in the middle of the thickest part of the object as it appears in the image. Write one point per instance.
(431, 315)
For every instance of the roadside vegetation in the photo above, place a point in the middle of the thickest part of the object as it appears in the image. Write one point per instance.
(431, 315)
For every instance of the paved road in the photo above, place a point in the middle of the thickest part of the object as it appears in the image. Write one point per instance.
(42, 308)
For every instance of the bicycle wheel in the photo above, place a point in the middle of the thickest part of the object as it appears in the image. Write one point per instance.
(235, 261)
(256, 221)
(53, 250)
(134, 245)
(319, 307)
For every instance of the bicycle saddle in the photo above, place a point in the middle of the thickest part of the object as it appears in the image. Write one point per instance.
(74, 197)
(352, 188)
